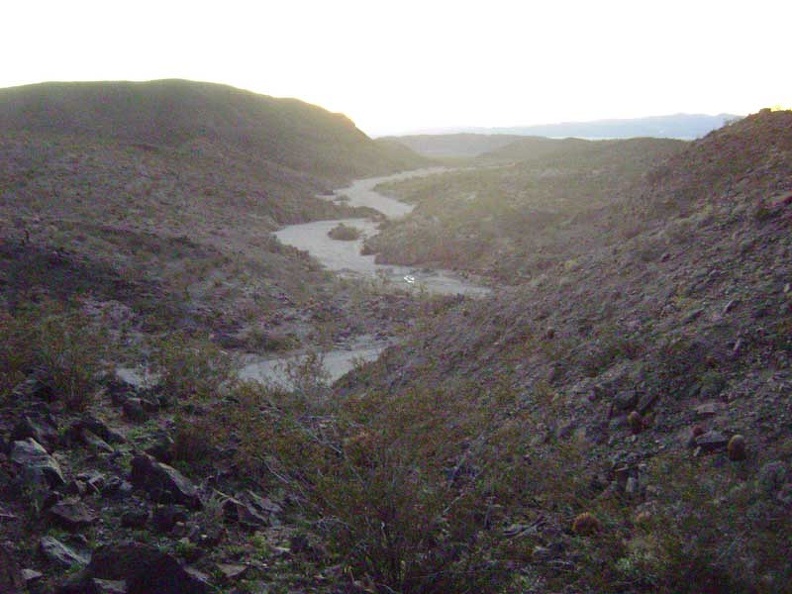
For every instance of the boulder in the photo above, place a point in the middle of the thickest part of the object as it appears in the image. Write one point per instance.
(165, 518)
(238, 512)
(60, 554)
(92, 434)
(625, 401)
(35, 386)
(145, 569)
(232, 571)
(163, 483)
(73, 515)
(43, 430)
(711, 441)
(36, 463)
(31, 577)
(134, 411)
(134, 518)
(99, 428)
(82, 584)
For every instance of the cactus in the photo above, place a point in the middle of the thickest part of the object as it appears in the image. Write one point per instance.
(736, 448)
(586, 524)
(635, 421)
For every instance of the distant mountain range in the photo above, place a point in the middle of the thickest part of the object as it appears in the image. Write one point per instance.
(682, 126)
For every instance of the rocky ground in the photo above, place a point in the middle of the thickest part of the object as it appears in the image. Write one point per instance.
(654, 349)
(620, 420)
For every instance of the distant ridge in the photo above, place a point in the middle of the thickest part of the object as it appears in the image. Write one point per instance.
(184, 115)
(681, 126)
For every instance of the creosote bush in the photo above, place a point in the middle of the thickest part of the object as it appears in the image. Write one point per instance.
(342, 232)
(195, 377)
(57, 343)
(192, 368)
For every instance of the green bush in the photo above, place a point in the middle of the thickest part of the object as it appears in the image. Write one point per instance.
(342, 232)
(58, 343)
(192, 369)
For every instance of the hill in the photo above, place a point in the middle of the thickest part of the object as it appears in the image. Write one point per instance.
(504, 218)
(614, 418)
(191, 116)
(619, 375)
(452, 145)
(176, 183)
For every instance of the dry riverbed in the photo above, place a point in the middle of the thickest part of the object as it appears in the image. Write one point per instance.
(346, 259)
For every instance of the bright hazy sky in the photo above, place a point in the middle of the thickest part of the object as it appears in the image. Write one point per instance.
(406, 65)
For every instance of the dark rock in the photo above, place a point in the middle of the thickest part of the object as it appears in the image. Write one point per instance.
(60, 554)
(119, 391)
(265, 506)
(163, 483)
(96, 443)
(711, 441)
(207, 535)
(162, 450)
(241, 513)
(36, 463)
(102, 430)
(34, 386)
(149, 405)
(88, 585)
(111, 586)
(166, 517)
(11, 579)
(78, 488)
(134, 518)
(79, 585)
(72, 515)
(94, 481)
(625, 401)
(78, 433)
(145, 569)
(43, 430)
(117, 488)
(134, 411)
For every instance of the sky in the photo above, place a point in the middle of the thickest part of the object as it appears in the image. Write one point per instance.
(414, 65)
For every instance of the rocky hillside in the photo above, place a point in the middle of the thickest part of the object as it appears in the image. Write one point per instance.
(618, 419)
(175, 185)
(507, 220)
(648, 371)
(453, 145)
(198, 118)
(136, 268)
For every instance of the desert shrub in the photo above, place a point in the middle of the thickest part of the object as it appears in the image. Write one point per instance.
(404, 494)
(342, 232)
(195, 377)
(612, 344)
(713, 532)
(191, 368)
(391, 480)
(58, 343)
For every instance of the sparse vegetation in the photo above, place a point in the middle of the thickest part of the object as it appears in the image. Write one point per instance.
(342, 232)
(615, 421)
(57, 348)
